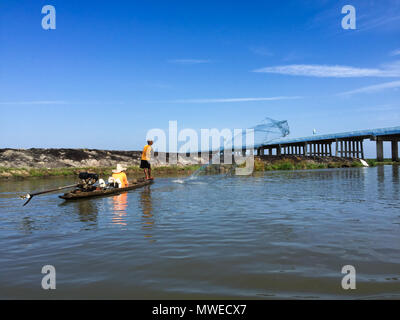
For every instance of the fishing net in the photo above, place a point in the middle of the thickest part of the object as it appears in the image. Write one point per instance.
(265, 132)
(270, 130)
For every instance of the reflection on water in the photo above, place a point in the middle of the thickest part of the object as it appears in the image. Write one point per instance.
(396, 182)
(120, 204)
(28, 225)
(87, 211)
(147, 216)
(395, 174)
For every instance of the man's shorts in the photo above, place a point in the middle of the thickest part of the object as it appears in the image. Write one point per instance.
(144, 164)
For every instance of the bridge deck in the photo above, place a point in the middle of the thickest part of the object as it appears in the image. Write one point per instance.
(356, 135)
(348, 144)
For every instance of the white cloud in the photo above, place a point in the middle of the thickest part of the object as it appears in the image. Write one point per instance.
(224, 100)
(374, 88)
(59, 102)
(395, 52)
(381, 20)
(188, 61)
(326, 71)
(32, 102)
(262, 51)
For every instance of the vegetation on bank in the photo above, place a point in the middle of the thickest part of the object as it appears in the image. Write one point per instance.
(289, 164)
(373, 162)
(135, 171)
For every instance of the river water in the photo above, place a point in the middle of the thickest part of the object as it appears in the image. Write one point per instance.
(272, 236)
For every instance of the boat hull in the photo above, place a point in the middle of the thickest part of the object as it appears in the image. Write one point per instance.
(101, 193)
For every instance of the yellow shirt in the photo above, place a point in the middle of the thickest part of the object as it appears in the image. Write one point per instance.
(146, 153)
(122, 177)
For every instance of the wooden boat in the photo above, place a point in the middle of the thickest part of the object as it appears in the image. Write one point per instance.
(75, 195)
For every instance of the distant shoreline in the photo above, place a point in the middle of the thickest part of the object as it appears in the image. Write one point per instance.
(43, 163)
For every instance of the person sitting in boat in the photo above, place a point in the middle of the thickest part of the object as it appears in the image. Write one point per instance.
(145, 162)
(119, 174)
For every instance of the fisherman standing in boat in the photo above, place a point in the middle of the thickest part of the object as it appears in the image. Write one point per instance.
(119, 174)
(145, 162)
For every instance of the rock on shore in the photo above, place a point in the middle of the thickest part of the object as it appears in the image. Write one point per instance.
(76, 158)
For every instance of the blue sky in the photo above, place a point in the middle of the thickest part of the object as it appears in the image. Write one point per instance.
(111, 71)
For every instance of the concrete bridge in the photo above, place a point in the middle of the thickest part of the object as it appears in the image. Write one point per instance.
(347, 144)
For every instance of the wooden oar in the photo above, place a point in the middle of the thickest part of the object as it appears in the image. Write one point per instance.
(29, 196)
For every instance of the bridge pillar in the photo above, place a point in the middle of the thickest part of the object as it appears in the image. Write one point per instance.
(362, 149)
(379, 150)
(353, 147)
(350, 149)
(336, 148)
(357, 149)
(341, 149)
(395, 150)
